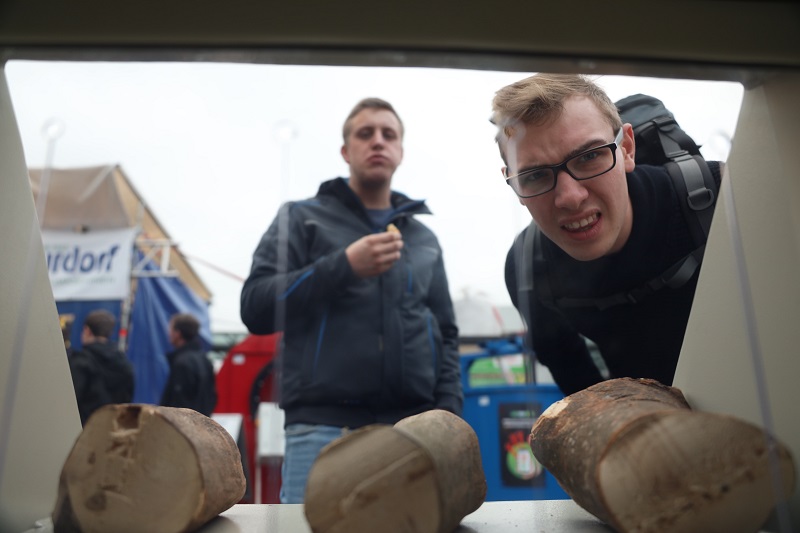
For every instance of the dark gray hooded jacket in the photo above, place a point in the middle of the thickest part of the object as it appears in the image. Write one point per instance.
(354, 351)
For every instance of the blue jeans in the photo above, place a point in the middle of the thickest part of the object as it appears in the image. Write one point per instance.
(303, 444)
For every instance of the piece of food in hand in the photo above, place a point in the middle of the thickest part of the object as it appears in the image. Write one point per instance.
(148, 468)
(634, 454)
(392, 228)
(422, 475)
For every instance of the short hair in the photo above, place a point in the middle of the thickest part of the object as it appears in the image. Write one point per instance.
(101, 323)
(540, 98)
(368, 103)
(185, 324)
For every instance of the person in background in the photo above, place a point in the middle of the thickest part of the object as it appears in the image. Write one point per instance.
(607, 227)
(66, 331)
(192, 381)
(101, 373)
(357, 285)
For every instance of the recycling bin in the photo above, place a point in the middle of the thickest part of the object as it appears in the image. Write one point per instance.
(501, 403)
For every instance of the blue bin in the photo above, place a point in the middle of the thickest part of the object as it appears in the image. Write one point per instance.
(502, 417)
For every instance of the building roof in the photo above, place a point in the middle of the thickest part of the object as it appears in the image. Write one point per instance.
(103, 198)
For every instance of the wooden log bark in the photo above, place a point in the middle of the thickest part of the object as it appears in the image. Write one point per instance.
(634, 454)
(422, 475)
(140, 468)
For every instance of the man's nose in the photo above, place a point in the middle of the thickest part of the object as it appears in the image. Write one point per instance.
(378, 139)
(569, 192)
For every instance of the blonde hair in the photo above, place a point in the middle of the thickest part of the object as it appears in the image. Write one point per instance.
(540, 98)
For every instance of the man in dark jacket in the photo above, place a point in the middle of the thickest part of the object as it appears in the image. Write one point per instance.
(606, 226)
(357, 286)
(191, 382)
(101, 374)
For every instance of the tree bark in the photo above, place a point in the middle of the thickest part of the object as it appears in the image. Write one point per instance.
(422, 475)
(634, 454)
(148, 468)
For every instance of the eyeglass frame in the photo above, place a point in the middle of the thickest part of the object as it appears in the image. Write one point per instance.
(563, 166)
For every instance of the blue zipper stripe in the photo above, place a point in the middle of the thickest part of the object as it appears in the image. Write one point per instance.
(432, 342)
(295, 284)
(319, 341)
(410, 285)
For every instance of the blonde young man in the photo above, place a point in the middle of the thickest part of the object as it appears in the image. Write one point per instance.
(605, 230)
(369, 334)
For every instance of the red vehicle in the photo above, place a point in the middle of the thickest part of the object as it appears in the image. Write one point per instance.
(246, 379)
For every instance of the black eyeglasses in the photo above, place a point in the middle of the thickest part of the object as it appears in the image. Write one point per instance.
(584, 166)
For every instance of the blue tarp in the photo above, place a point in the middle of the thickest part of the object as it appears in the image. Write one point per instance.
(79, 310)
(155, 301)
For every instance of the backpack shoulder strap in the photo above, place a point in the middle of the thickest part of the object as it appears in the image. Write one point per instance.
(531, 264)
(523, 259)
(697, 190)
(674, 277)
(691, 177)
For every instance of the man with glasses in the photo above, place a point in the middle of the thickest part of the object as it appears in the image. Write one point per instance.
(605, 232)
(357, 285)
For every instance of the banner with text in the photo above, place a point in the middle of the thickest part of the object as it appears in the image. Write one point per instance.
(89, 266)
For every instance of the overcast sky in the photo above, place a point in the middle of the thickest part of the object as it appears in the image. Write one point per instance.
(214, 149)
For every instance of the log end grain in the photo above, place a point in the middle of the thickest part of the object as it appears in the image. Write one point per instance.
(148, 468)
(691, 471)
(422, 475)
(373, 479)
(634, 454)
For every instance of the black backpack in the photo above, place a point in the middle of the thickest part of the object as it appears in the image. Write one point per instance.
(659, 141)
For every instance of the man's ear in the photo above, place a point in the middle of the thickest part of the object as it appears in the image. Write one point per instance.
(344, 154)
(628, 146)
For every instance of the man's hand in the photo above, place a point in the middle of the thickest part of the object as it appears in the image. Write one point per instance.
(374, 254)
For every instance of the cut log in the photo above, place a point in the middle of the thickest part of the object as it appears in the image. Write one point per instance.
(422, 475)
(147, 468)
(634, 454)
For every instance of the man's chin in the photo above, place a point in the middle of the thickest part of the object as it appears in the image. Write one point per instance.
(583, 251)
(374, 182)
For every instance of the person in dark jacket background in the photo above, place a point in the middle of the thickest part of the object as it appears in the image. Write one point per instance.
(191, 382)
(101, 373)
(369, 334)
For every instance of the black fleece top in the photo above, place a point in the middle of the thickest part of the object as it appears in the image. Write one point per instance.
(634, 339)
(191, 382)
(101, 374)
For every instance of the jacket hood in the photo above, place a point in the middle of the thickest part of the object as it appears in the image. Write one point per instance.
(102, 349)
(190, 346)
(339, 189)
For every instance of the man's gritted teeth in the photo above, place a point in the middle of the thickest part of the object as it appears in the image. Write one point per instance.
(582, 224)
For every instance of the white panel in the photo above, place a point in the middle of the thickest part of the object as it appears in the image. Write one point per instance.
(271, 443)
(38, 414)
(739, 359)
